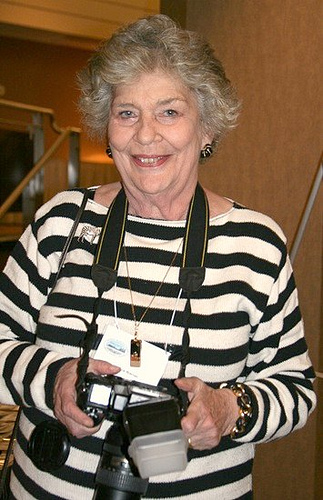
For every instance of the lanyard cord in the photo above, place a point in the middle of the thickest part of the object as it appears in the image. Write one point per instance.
(138, 321)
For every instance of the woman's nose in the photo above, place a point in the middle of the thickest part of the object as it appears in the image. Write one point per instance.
(147, 130)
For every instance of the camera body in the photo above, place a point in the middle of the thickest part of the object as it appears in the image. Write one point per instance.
(150, 417)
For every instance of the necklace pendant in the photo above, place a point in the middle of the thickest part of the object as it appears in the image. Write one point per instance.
(135, 350)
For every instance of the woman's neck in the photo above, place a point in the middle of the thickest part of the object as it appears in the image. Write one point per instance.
(152, 207)
(164, 206)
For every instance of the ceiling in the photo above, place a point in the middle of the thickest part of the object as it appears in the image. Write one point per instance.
(74, 23)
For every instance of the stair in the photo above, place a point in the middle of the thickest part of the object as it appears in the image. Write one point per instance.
(11, 227)
(10, 232)
(8, 415)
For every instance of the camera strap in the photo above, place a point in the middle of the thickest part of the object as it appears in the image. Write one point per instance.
(106, 260)
(192, 271)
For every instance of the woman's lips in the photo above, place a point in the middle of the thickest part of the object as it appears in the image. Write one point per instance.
(150, 161)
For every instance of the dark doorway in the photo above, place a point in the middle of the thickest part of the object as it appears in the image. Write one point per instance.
(16, 159)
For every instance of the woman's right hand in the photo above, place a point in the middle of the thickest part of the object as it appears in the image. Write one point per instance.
(65, 408)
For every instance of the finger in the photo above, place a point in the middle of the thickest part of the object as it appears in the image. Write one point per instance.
(190, 422)
(100, 367)
(191, 385)
(79, 425)
(79, 430)
(186, 383)
(66, 408)
(73, 412)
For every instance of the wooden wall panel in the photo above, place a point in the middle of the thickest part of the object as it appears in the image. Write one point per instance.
(45, 75)
(271, 52)
(95, 174)
(91, 174)
(55, 177)
(92, 19)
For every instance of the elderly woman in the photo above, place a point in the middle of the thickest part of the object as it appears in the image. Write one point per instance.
(190, 290)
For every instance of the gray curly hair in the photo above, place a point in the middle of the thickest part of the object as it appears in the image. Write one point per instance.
(156, 42)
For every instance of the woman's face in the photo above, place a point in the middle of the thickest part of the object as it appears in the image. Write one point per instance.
(155, 134)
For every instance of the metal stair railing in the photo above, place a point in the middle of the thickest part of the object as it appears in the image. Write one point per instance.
(307, 211)
(31, 188)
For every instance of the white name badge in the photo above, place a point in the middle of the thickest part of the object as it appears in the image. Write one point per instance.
(115, 348)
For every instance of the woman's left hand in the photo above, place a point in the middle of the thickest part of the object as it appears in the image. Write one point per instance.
(211, 414)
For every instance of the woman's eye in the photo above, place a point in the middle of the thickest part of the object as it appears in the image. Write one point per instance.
(126, 114)
(170, 112)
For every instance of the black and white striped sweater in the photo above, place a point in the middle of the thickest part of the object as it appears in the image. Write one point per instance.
(245, 326)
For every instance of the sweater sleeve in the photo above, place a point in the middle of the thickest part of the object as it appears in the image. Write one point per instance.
(279, 375)
(27, 371)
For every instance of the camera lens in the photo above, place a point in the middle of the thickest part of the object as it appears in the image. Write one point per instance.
(117, 478)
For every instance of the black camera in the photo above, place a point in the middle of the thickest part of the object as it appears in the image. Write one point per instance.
(145, 439)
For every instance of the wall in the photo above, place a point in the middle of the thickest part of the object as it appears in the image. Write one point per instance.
(72, 20)
(45, 75)
(270, 50)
